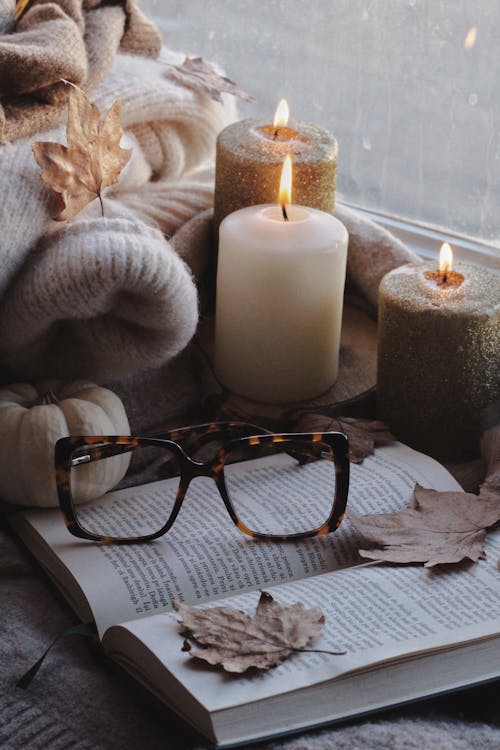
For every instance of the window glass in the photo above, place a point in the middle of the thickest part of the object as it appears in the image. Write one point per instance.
(410, 88)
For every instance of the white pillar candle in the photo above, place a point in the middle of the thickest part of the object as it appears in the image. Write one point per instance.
(280, 287)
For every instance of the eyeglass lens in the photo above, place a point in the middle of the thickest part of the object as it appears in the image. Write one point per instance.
(123, 490)
(276, 494)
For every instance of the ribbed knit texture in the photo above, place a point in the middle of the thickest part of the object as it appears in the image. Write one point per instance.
(96, 297)
(22, 725)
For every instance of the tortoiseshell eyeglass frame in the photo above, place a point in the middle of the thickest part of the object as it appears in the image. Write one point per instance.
(305, 447)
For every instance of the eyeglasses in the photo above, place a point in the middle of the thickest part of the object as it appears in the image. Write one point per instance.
(274, 486)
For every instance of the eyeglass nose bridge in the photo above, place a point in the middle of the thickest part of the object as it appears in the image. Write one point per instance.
(192, 468)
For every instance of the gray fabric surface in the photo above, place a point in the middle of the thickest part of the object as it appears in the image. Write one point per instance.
(77, 702)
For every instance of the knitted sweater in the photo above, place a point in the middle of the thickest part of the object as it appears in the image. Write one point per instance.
(98, 297)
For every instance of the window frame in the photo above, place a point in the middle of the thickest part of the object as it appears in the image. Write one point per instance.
(426, 241)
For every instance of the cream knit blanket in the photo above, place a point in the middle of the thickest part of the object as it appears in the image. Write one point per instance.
(97, 297)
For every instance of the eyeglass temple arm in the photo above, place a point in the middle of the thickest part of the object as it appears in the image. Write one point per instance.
(202, 434)
(206, 433)
(199, 434)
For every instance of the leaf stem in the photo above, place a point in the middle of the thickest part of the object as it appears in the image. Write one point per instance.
(70, 83)
(102, 204)
(318, 651)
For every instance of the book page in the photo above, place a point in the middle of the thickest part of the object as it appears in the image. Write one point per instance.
(375, 613)
(204, 556)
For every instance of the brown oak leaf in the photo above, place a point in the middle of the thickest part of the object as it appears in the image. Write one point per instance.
(91, 161)
(363, 434)
(437, 528)
(198, 75)
(237, 641)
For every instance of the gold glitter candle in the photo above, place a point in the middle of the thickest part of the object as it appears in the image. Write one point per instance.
(438, 355)
(249, 160)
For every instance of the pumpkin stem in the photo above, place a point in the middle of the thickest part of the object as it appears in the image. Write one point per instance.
(46, 398)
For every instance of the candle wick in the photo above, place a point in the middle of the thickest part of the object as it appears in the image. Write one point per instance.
(283, 210)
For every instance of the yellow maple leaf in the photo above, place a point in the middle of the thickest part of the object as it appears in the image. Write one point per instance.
(91, 161)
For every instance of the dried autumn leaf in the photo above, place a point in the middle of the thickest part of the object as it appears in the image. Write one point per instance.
(237, 641)
(90, 162)
(21, 6)
(438, 527)
(363, 434)
(198, 75)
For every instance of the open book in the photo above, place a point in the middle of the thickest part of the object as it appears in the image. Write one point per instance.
(407, 632)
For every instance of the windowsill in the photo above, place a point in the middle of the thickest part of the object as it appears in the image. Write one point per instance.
(426, 242)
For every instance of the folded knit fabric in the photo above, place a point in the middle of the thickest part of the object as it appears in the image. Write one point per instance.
(100, 297)
(108, 295)
(174, 129)
(70, 40)
(372, 250)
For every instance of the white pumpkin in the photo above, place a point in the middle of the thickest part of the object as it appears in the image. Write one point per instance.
(33, 417)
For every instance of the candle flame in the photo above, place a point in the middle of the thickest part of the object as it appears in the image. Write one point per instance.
(445, 259)
(445, 278)
(281, 115)
(285, 194)
(471, 37)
